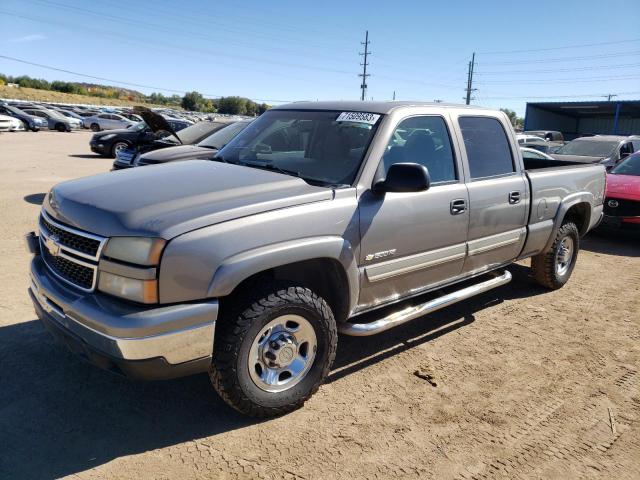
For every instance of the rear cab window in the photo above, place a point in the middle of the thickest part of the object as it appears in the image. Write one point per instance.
(487, 145)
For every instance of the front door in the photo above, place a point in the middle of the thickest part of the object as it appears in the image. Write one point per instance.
(410, 241)
(497, 194)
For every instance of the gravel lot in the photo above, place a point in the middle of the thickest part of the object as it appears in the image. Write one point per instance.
(516, 383)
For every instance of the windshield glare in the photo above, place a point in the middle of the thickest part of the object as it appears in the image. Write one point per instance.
(589, 148)
(630, 166)
(313, 145)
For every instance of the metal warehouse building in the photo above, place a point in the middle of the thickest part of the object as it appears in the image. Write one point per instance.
(575, 119)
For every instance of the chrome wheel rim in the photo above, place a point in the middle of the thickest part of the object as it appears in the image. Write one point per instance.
(564, 255)
(282, 353)
(120, 146)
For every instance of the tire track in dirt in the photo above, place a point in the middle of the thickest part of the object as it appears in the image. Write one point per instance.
(560, 434)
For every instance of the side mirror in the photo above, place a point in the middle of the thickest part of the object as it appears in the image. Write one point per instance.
(404, 177)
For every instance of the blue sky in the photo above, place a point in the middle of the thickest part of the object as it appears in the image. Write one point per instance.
(291, 50)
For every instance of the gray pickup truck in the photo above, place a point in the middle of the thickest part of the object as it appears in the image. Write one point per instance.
(304, 226)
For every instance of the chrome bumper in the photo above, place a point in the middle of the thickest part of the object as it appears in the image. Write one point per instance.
(121, 331)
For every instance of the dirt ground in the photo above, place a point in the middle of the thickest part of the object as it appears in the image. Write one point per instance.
(516, 383)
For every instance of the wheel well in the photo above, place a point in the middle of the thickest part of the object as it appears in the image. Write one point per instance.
(325, 276)
(580, 215)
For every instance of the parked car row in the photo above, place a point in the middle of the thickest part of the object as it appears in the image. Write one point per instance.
(201, 140)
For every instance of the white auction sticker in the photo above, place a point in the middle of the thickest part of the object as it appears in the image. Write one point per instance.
(359, 117)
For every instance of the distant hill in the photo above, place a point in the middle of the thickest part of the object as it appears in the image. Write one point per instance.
(22, 93)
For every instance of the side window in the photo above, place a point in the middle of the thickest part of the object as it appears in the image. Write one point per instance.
(487, 145)
(527, 154)
(424, 140)
(626, 149)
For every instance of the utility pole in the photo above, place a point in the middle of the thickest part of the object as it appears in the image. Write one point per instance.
(470, 88)
(609, 96)
(394, 95)
(365, 64)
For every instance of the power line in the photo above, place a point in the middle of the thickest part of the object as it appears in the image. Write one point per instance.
(563, 59)
(555, 70)
(552, 81)
(120, 82)
(586, 95)
(506, 52)
(365, 64)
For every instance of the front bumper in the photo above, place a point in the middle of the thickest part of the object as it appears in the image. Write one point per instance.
(139, 341)
(101, 148)
(630, 223)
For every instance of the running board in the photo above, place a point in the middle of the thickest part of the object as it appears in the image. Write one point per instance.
(411, 313)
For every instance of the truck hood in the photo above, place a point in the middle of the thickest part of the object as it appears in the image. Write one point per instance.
(577, 158)
(170, 199)
(181, 152)
(623, 186)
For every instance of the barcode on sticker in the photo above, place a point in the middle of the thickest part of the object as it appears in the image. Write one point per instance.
(360, 117)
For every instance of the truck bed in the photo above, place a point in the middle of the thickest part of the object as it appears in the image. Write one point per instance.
(540, 163)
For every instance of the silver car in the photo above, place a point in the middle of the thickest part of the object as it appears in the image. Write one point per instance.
(107, 121)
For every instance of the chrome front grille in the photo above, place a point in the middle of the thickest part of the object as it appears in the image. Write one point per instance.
(72, 255)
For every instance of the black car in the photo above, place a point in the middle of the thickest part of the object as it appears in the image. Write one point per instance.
(108, 142)
(189, 136)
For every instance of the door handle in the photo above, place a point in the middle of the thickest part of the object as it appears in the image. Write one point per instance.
(458, 206)
(514, 197)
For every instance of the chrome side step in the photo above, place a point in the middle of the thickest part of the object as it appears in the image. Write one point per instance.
(411, 313)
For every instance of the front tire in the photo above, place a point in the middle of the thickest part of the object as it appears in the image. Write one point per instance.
(553, 267)
(117, 147)
(274, 352)
(95, 127)
(61, 127)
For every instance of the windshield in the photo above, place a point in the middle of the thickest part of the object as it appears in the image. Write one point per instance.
(223, 136)
(138, 127)
(589, 148)
(325, 147)
(196, 133)
(630, 166)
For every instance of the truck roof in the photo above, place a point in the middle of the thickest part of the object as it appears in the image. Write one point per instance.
(366, 106)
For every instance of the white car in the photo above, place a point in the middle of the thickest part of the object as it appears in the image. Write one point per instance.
(10, 124)
(106, 121)
(523, 138)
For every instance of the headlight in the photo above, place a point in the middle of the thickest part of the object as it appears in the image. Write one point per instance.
(108, 137)
(127, 271)
(137, 250)
(143, 291)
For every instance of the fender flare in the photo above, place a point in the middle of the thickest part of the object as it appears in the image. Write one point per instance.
(567, 203)
(237, 268)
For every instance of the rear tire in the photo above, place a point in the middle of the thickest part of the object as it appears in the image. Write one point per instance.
(553, 267)
(95, 127)
(273, 350)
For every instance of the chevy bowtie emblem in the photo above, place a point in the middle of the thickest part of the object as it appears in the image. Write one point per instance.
(613, 203)
(52, 245)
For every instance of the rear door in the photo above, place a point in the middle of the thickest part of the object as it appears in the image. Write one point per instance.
(498, 193)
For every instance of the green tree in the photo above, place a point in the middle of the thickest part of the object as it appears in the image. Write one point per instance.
(192, 101)
(513, 117)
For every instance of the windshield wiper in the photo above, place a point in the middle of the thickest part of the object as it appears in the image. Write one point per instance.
(271, 166)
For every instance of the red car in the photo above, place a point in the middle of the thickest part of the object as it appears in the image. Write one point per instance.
(622, 197)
